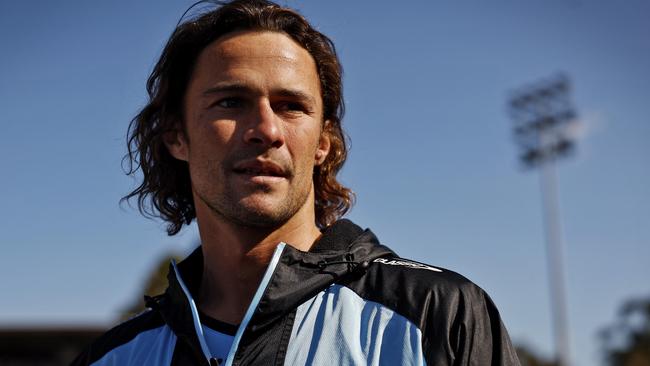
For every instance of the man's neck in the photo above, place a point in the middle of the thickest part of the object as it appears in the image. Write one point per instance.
(236, 257)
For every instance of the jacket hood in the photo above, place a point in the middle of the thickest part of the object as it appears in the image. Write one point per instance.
(344, 249)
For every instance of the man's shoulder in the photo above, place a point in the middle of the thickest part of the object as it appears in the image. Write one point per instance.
(118, 336)
(452, 312)
(417, 290)
(405, 274)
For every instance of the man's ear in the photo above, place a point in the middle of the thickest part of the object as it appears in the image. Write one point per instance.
(176, 143)
(324, 144)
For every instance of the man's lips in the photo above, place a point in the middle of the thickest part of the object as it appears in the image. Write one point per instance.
(260, 168)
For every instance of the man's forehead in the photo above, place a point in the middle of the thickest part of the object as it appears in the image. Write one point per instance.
(251, 60)
(257, 44)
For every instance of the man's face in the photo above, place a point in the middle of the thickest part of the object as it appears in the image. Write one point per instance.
(253, 117)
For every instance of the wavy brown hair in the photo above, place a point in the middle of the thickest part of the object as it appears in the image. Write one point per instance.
(165, 190)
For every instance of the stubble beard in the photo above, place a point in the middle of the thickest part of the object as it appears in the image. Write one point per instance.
(225, 207)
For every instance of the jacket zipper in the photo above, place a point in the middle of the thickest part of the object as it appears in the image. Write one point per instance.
(256, 299)
(247, 316)
(195, 315)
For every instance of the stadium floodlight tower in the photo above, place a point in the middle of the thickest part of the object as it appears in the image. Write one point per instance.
(542, 114)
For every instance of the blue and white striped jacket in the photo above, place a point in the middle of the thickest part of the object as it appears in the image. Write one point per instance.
(348, 301)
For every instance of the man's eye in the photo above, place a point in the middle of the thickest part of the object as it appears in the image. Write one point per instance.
(291, 107)
(229, 103)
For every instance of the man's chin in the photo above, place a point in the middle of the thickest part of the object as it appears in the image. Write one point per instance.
(256, 210)
(259, 212)
(259, 219)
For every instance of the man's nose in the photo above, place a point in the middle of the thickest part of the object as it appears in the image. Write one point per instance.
(265, 127)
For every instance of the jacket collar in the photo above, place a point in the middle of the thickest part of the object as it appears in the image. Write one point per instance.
(343, 250)
(301, 275)
(176, 304)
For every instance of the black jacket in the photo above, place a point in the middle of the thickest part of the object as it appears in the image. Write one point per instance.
(348, 301)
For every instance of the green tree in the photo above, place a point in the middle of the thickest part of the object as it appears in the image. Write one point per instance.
(529, 358)
(627, 342)
(155, 284)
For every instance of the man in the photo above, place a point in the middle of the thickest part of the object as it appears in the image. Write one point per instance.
(243, 133)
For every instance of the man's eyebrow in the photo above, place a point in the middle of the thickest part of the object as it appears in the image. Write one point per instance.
(226, 87)
(242, 88)
(296, 94)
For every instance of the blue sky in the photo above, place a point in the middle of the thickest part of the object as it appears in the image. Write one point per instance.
(432, 158)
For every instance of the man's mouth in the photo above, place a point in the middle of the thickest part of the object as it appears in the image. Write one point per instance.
(263, 172)
(260, 168)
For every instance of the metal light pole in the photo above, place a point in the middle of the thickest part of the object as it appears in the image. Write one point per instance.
(542, 114)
